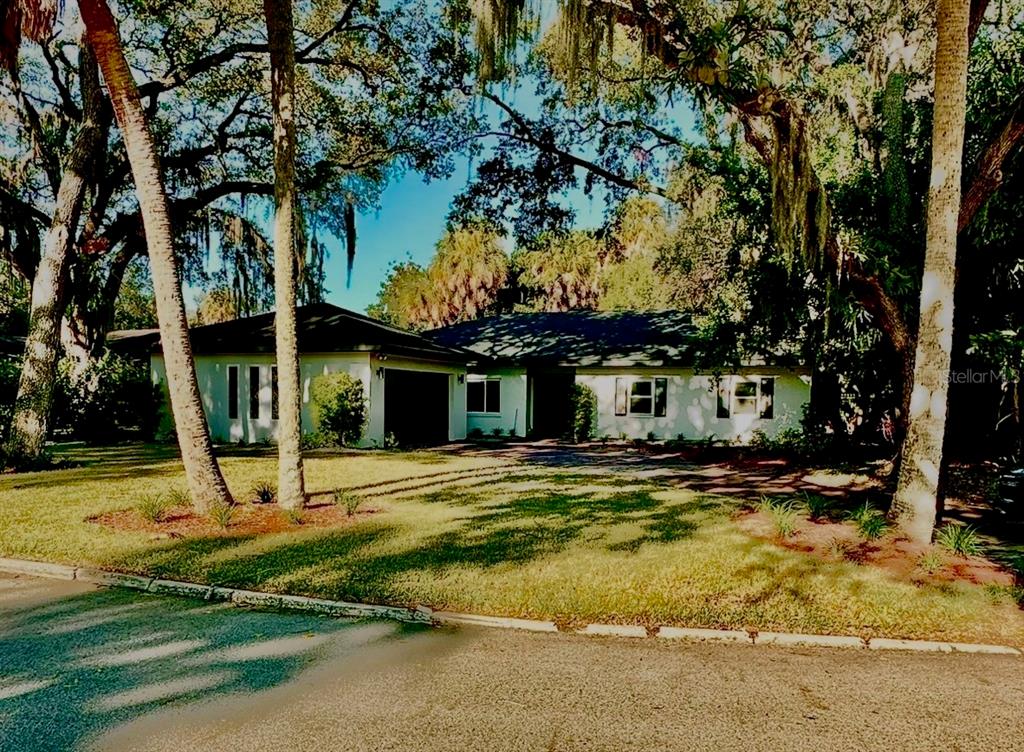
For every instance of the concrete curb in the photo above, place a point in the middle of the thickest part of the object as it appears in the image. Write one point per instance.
(425, 615)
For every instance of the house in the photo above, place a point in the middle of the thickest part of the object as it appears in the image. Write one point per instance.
(414, 387)
(513, 373)
(641, 367)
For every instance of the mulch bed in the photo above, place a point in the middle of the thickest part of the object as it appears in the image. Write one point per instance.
(895, 555)
(246, 519)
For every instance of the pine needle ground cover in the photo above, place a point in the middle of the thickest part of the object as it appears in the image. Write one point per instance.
(491, 536)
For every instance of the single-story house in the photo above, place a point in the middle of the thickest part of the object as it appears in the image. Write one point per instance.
(414, 387)
(640, 366)
(511, 372)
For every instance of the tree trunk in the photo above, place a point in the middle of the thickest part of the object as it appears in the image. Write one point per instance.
(32, 407)
(917, 501)
(291, 491)
(204, 477)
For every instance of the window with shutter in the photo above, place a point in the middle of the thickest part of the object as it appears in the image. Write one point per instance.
(660, 398)
(621, 396)
(767, 409)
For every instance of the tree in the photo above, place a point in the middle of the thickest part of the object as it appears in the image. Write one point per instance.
(917, 501)
(28, 430)
(291, 492)
(205, 481)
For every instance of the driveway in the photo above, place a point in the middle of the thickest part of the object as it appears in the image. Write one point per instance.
(82, 668)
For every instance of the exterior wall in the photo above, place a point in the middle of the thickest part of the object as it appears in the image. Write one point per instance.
(456, 393)
(211, 370)
(692, 405)
(512, 402)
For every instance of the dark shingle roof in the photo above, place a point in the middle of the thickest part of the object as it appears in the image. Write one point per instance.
(577, 338)
(322, 327)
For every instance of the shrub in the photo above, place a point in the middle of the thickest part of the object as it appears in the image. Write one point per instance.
(339, 408)
(294, 516)
(475, 433)
(10, 372)
(264, 492)
(584, 412)
(960, 539)
(497, 433)
(113, 396)
(817, 506)
(870, 522)
(348, 500)
(652, 436)
(783, 518)
(179, 497)
(154, 507)
(222, 513)
(314, 440)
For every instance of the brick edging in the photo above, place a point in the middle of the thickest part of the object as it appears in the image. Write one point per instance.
(426, 615)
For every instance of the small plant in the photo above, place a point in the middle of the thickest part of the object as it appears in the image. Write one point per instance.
(154, 507)
(652, 436)
(840, 549)
(817, 506)
(348, 500)
(475, 433)
(221, 514)
(179, 497)
(766, 504)
(960, 539)
(390, 441)
(497, 433)
(931, 561)
(264, 492)
(784, 518)
(870, 522)
(294, 516)
(512, 432)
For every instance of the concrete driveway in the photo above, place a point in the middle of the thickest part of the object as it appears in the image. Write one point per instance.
(82, 668)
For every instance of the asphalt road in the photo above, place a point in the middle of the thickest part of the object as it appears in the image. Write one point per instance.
(82, 668)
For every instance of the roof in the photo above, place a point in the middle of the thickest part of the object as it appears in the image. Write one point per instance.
(578, 338)
(321, 328)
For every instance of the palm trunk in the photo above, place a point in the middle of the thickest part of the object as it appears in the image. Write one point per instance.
(204, 477)
(32, 407)
(291, 491)
(917, 501)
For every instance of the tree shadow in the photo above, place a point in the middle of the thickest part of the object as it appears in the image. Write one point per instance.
(77, 664)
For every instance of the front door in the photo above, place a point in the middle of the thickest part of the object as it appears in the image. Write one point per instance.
(551, 395)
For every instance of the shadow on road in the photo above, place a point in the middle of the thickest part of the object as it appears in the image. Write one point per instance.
(74, 662)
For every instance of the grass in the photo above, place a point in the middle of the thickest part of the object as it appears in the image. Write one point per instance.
(479, 534)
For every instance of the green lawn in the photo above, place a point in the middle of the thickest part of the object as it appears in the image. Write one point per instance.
(488, 536)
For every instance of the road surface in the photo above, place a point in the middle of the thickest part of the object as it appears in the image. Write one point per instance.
(82, 668)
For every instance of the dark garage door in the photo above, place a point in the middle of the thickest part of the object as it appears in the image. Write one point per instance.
(416, 407)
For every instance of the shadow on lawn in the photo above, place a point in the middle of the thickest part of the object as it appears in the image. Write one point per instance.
(76, 664)
(497, 526)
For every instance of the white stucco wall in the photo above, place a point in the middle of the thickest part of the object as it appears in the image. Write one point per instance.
(512, 401)
(212, 373)
(692, 406)
(691, 410)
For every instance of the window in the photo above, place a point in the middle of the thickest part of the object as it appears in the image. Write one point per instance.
(746, 396)
(233, 392)
(641, 397)
(273, 393)
(254, 392)
(483, 395)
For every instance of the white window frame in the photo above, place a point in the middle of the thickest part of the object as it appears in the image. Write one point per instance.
(630, 412)
(757, 398)
(483, 380)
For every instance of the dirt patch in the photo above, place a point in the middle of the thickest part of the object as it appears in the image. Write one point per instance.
(246, 519)
(896, 555)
